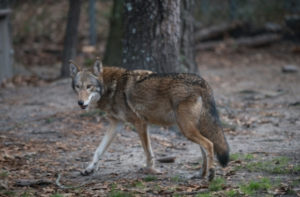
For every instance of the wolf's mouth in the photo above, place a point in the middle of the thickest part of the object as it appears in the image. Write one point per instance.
(83, 106)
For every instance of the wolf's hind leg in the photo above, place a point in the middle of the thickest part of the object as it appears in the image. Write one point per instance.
(106, 141)
(204, 163)
(187, 122)
(142, 130)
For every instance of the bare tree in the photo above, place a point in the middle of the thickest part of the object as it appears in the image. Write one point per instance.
(70, 41)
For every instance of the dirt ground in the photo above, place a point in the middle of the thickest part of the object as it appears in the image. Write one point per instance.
(44, 134)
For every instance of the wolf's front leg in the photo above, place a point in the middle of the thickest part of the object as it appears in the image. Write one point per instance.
(106, 141)
(146, 143)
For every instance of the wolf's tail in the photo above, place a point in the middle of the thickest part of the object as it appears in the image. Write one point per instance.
(217, 136)
(221, 148)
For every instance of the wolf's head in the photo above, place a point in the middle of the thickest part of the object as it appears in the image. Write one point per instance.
(88, 84)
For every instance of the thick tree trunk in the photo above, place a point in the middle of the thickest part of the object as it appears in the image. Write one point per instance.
(70, 41)
(152, 35)
(187, 51)
(113, 51)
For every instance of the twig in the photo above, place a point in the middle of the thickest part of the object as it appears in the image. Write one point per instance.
(166, 159)
(67, 187)
(31, 183)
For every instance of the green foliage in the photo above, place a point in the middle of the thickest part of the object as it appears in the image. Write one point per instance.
(278, 165)
(7, 193)
(248, 157)
(118, 193)
(3, 174)
(150, 178)
(234, 156)
(217, 184)
(255, 186)
(296, 169)
(176, 179)
(92, 113)
(88, 62)
(138, 184)
(238, 156)
(232, 193)
(295, 183)
(204, 195)
(26, 194)
(49, 120)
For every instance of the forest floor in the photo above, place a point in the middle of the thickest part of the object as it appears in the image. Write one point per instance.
(43, 133)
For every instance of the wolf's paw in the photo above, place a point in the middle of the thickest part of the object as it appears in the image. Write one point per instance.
(203, 173)
(150, 170)
(89, 170)
(211, 174)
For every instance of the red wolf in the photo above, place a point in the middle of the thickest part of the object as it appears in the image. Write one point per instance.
(142, 97)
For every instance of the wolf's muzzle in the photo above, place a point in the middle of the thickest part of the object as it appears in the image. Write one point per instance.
(81, 104)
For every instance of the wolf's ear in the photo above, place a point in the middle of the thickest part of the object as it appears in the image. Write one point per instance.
(74, 69)
(98, 68)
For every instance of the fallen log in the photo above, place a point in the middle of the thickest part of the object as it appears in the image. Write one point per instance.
(216, 31)
(255, 41)
(32, 183)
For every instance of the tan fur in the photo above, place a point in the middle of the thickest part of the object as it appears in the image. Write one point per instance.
(141, 97)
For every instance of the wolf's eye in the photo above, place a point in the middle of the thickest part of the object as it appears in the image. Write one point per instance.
(77, 86)
(88, 86)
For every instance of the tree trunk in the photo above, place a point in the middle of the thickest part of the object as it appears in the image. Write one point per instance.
(152, 35)
(113, 51)
(70, 41)
(187, 51)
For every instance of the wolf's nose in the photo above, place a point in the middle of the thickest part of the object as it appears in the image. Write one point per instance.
(80, 102)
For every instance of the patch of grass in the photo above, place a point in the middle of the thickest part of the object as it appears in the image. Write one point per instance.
(57, 195)
(256, 186)
(3, 174)
(217, 184)
(8, 193)
(138, 184)
(26, 194)
(92, 113)
(296, 169)
(248, 157)
(208, 194)
(176, 179)
(49, 120)
(238, 156)
(119, 193)
(295, 182)
(156, 187)
(232, 193)
(150, 178)
(278, 165)
(234, 156)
